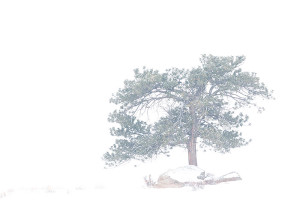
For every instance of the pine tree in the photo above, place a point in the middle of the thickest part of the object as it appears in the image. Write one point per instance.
(199, 107)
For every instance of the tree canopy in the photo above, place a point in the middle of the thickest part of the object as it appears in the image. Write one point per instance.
(199, 107)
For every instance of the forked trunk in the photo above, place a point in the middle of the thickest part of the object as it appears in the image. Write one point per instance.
(192, 151)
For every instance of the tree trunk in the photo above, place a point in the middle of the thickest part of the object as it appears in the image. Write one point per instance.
(191, 146)
(192, 151)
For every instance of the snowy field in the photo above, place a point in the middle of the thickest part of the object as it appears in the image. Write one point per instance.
(222, 191)
(127, 181)
(233, 190)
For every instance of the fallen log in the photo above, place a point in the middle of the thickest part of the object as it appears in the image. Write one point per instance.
(232, 176)
(168, 181)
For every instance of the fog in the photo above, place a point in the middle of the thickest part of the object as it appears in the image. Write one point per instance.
(60, 62)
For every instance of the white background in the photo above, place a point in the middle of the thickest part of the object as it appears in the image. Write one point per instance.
(60, 61)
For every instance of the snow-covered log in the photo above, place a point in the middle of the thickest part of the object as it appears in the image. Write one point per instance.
(190, 176)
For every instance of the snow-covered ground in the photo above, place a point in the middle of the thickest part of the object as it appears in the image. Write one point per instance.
(127, 181)
(233, 190)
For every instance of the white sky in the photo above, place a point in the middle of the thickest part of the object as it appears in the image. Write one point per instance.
(61, 60)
